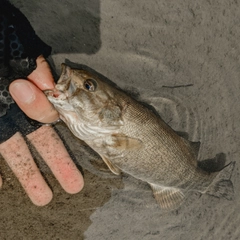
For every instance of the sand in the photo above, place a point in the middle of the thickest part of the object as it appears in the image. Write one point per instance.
(180, 56)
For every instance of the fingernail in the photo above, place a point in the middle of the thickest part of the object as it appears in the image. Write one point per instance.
(23, 92)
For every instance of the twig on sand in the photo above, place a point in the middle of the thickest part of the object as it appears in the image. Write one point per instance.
(178, 86)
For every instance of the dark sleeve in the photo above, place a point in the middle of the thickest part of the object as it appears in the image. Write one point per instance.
(19, 49)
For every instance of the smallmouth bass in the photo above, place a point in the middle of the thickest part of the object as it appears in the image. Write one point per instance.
(128, 136)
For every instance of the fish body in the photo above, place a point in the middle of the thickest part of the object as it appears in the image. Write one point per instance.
(128, 136)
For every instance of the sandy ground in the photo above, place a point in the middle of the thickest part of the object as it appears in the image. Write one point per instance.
(183, 58)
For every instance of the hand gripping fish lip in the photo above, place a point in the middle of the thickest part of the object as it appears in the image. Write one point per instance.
(65, 88)
(62, 91)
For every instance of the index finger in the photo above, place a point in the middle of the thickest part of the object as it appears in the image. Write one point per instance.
(42, 76)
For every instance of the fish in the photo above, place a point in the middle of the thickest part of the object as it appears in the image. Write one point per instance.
(129, 136)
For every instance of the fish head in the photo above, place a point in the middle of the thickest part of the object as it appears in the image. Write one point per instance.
(86, 103)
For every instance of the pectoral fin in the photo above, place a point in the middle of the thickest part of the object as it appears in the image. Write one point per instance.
(111, 166)
(115, 142)
(168, 198)
(123, 142)
(114, 146)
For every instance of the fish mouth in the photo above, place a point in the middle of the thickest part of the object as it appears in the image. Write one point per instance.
(65, 88)
(59, 94)
(55, 94)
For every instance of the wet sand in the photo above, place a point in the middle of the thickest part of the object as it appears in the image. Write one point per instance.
(183, 58)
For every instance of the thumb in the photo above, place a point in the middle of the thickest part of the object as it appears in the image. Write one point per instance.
(32, 101)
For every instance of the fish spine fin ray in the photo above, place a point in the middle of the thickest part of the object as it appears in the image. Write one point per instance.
(169, 198)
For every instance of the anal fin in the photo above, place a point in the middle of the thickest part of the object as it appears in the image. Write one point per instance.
(168, 198)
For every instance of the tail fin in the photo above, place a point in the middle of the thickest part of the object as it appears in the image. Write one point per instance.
(222, 186)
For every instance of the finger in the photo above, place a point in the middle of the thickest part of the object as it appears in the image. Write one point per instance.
(42, 76)
(19, 159)
(52, 150)
(32, 101)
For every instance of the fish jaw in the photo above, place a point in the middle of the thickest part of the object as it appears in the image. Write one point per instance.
(61, 104)
(58, 99)
(65, 78)
(63, 92)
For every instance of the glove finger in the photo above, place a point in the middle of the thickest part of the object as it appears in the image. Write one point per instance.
(32, 101)
(19, 159)
(52, 150)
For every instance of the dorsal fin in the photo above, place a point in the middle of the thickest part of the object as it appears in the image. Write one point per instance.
(194, 146)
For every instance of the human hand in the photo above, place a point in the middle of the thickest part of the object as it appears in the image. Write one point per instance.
(32, 101)
(19, 49)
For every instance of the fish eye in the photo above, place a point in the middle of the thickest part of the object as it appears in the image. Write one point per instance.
(90, 85)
